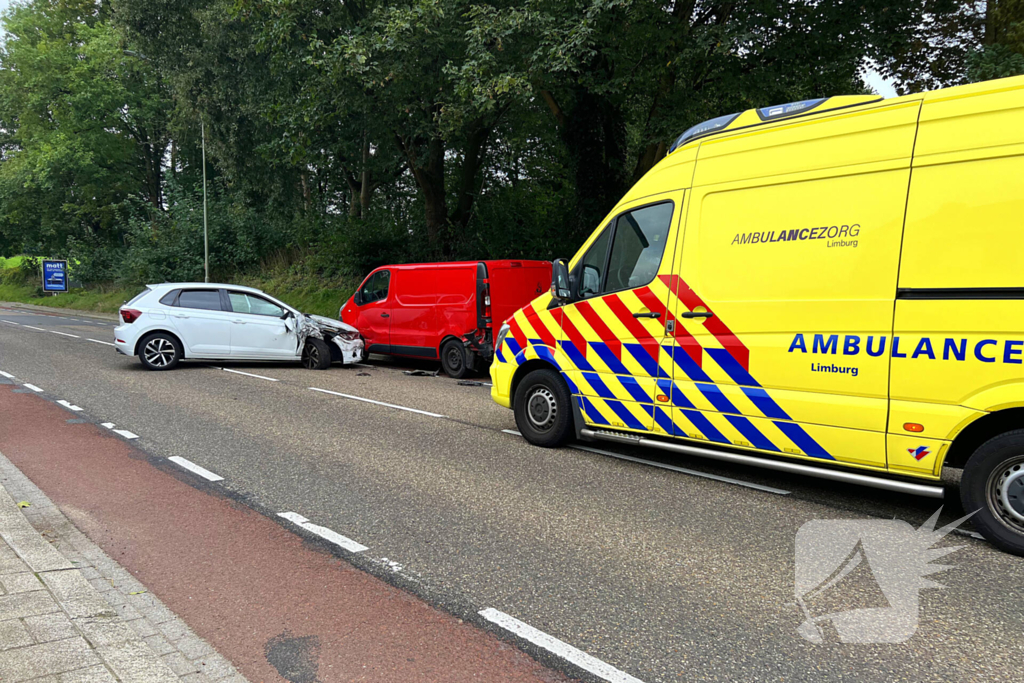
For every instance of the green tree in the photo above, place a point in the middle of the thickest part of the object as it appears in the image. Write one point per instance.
(85, 128)
(622, 78)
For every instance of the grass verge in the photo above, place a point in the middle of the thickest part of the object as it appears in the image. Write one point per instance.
(309, 296)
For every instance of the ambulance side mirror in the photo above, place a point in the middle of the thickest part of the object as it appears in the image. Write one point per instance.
(560, 288)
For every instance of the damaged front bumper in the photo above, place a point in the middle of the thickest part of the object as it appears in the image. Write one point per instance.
(345, 337)
(351, 349)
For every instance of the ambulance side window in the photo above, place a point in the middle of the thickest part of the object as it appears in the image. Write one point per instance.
(593, 266)
(639, 244)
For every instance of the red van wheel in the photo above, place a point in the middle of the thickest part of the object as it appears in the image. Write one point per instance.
(453, 359)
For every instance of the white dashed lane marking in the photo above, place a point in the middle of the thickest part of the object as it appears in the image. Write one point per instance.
(11, 322)
(33, 387)
(324, 533)
(567, 652)
(379, 403)
(65, 334)
(100, 342)
(7, 375)
(125, 433)
(247, 374)
(196, 469)
(34, 328)
(68, 405)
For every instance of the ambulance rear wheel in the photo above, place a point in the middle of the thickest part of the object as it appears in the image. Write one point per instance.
(542, 408)
(992, 487)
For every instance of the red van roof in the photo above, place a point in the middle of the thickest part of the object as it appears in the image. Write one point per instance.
(500, 263)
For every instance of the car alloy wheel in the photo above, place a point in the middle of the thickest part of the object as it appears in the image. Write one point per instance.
(159, 352)
(311, 357)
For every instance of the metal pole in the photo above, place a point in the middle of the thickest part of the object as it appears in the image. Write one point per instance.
(206, 240)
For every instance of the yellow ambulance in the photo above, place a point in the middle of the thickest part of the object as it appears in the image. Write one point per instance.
(833, 287)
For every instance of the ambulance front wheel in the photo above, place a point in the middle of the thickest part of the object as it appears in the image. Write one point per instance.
(542, 408)
(992, 487)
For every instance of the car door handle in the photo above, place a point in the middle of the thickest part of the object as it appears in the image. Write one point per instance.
(238, 322)
(385, 315)
(180, 315)
(648, 314)
(696, 314)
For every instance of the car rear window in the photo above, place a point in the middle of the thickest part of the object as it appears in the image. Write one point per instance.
(207, 299)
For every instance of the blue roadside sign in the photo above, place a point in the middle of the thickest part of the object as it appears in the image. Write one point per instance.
(55, 275)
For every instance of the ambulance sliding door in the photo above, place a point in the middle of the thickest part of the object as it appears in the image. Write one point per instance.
(783, 287)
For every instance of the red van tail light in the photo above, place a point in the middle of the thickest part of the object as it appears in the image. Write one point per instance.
(130, 315)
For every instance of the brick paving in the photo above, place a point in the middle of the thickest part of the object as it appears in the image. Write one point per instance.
(70, 614)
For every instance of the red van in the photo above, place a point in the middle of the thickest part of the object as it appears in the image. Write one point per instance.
(443, 310)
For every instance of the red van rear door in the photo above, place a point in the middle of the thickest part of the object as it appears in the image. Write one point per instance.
(414, 319)
(515, 284)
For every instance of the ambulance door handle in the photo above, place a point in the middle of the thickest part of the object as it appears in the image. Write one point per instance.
(647, 314)
(697, 314)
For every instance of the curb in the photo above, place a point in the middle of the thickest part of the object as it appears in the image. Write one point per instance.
(75, 612)
(108, 317)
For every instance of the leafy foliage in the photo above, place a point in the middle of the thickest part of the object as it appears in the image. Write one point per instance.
(341, 135)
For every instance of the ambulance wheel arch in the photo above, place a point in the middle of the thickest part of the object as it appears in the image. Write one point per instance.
(971, 437)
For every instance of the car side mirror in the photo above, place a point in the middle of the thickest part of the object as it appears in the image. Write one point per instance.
(560, 289)
(358, 298)
(289, 322)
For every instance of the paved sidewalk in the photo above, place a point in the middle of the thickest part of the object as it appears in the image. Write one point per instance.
(68, 613)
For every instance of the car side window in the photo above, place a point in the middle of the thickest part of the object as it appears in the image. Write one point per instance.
(167, 299)
(639, 244)
(254, 305)
(592, 267)
(206, 299)
(376, 287)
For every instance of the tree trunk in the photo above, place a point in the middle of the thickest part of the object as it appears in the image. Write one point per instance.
(469, 180)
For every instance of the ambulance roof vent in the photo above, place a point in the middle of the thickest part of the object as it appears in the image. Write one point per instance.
(705, 128)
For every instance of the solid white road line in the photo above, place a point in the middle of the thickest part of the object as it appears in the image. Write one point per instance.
(564, 650)
(68, 405)
(100, 342)
(6, 374)
(126, 434)
(694, 473)
(249, 374)
(512, 432)
(65, 334)
(33, 387)
(379, 403)
(34, 328)
(192, 467)
(324, 533)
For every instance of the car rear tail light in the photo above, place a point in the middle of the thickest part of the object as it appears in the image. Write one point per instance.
(130, 315)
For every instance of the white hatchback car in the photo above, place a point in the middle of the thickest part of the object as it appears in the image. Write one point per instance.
(172, 321)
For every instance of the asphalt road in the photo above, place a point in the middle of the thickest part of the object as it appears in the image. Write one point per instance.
(665, 576)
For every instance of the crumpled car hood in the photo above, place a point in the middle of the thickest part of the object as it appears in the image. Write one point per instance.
(329, 324)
